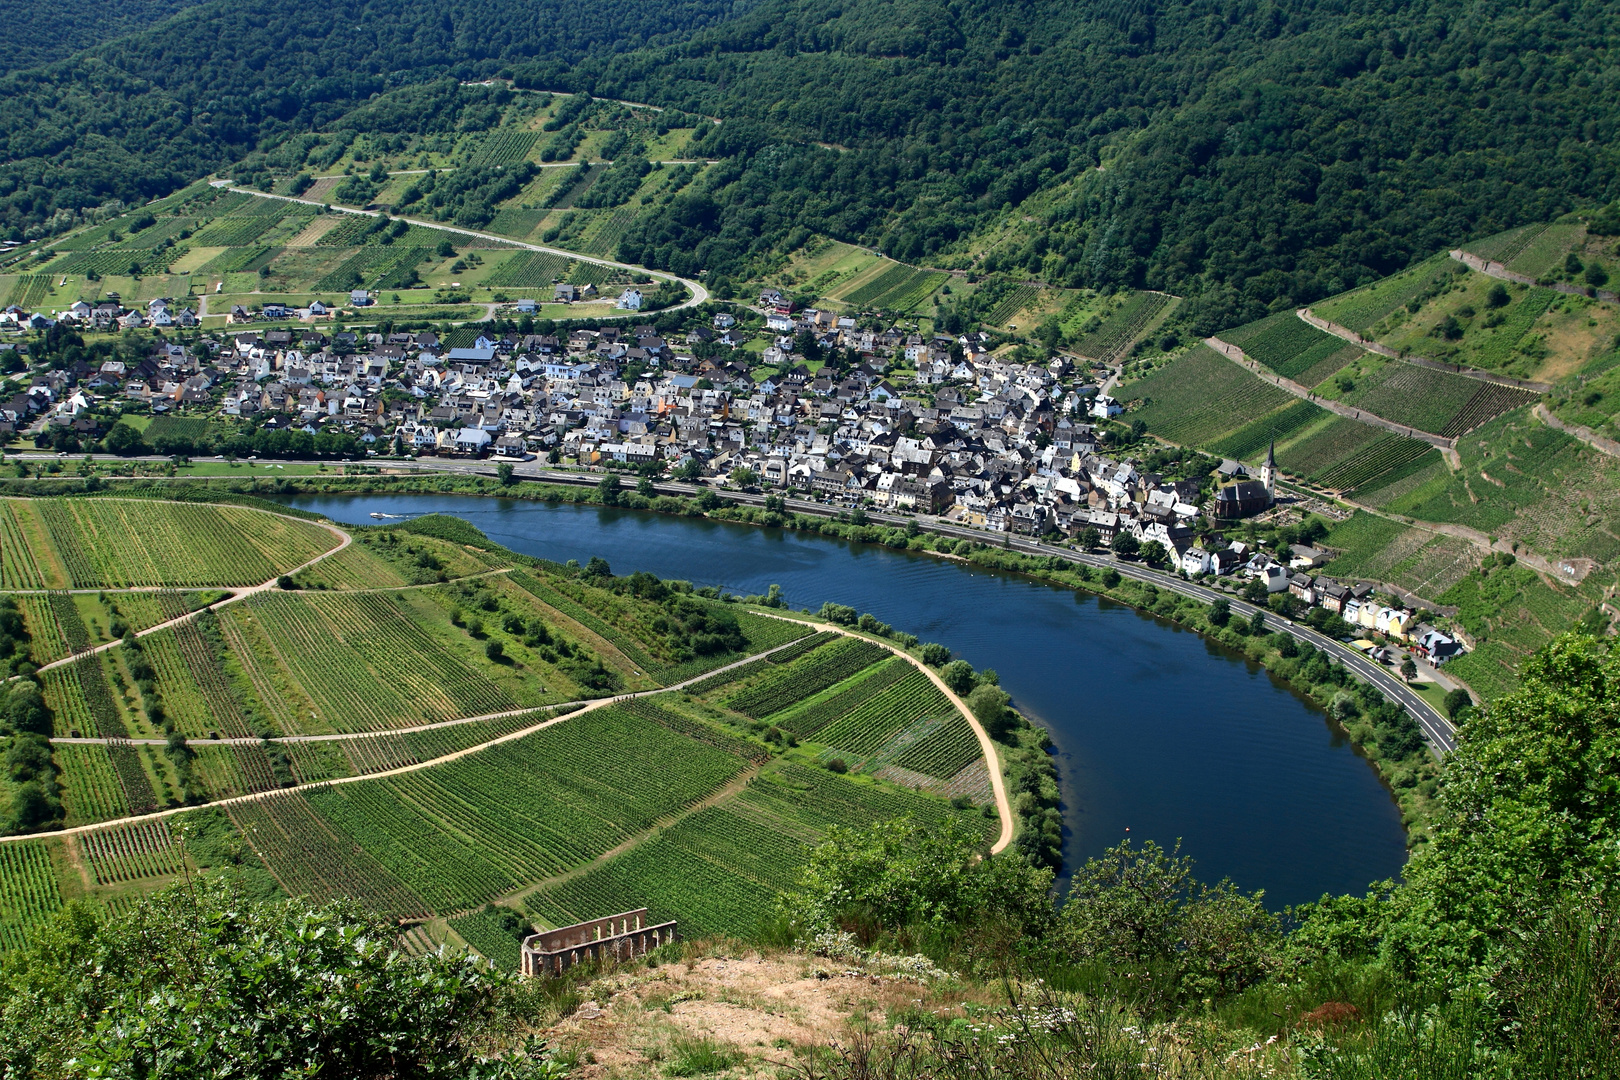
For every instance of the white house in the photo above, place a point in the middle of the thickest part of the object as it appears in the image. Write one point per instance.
(629, 300)
(1195, 560)
(1105, 407)
(472, 440)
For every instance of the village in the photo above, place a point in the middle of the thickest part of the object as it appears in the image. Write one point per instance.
(855, 416)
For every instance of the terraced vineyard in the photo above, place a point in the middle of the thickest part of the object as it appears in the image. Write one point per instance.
(1252, 438)
(899, 289)
(1200, 397)
(142, 849)
(119, 543)
(1381, 461)
(463, 833)
(1359, 309)
(28, 891)
(778, 690)
(1121, 328)
(1416, 396)
(713, 870)
(1287, 345)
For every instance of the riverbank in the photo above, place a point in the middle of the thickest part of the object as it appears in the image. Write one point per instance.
(1319, 670)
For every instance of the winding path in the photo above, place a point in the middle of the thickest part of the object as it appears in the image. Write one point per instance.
(699, 295)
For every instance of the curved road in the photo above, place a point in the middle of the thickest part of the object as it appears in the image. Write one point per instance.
(699, 293)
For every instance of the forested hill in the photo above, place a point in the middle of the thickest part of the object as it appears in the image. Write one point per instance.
(37, 33)
(1250, 155)
(141, 115)
(1257, 154)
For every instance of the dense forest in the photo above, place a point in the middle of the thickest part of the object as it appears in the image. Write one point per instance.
(1251, 155)
(39, 33)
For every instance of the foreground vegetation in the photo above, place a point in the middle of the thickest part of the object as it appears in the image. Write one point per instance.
(1496, 957)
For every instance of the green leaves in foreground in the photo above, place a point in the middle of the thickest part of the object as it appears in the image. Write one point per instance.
(195, 982)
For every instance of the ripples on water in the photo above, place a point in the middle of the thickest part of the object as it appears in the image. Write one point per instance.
(1156, 730)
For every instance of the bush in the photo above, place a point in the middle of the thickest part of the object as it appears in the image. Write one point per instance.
(935, 654)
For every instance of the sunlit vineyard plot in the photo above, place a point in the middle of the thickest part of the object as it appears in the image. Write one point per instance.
(119, 543)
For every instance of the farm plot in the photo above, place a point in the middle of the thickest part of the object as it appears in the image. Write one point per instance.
(30, 289)
(1547, 249)
(130, 543)
(141, 849)
(806, 718)
(308, 858)
(1360, 308)
(1418, 397)
(90, 789)
(1253, 437)
(26, 561)
(464, 832)
(517, 222)
(1384, 460)
(1504, 247)
(28, 892)
(652, 709)
(365, 665)
(1285, 343)
(899, 289)
(780, 689)
(1109, 340)
(1201, 397)
(1011, 305)
(1321, 449)
(530, 269)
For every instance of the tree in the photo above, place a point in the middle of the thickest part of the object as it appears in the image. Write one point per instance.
(1255, 592)
(1519, 828)
(743, 476)
(1456, 701)
(200, 981)
(687, 470)
(1090, 538)
(958, 675)
(504, 472)
(608, 489)
(1140, 911)
(899, 876)
(1153, 553)
(124, 441)
(988, 703)
(935, 654)
(1220, 612)
(1409, 670)
(1125, 544)
(644, 488)
(1257, 623)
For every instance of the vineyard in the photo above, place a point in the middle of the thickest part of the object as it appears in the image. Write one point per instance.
(307, 858)
(505, 147)
(1250, 439)
(130, 852)
(1200, 397)
(130, 543)
(366, 664)
(1361, 308)
(1286, 344)
(530, 269)
(30, 289)
(19, 569)
(1501, 342)
(717, 870)
(240, 260)
(1320, 450)
(517, 222)
(1489, 401)
(1384, 459)
(1545, 250)
(780, 689)
(1011, 305)
(1418, 397)
(465, 832)
(90, 788)
(1122, 326)
(899, 288)
(28, 892)
(1504, 247)
(235, 231)
(484, 932)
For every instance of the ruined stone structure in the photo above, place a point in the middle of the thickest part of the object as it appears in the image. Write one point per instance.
(618, 937)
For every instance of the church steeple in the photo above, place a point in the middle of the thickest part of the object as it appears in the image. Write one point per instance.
(1268, 471)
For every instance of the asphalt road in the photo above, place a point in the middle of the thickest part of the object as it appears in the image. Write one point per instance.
(1436, 727)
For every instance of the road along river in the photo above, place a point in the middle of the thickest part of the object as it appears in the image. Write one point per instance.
(1159, 733)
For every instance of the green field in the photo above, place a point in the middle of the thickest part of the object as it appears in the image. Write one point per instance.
(1200, 397)
(117, 544)
(1114, 333)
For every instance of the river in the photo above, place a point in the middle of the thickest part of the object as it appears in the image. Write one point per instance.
(1158, 733)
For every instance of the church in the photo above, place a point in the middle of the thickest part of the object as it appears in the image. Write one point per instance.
(1248, 497)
